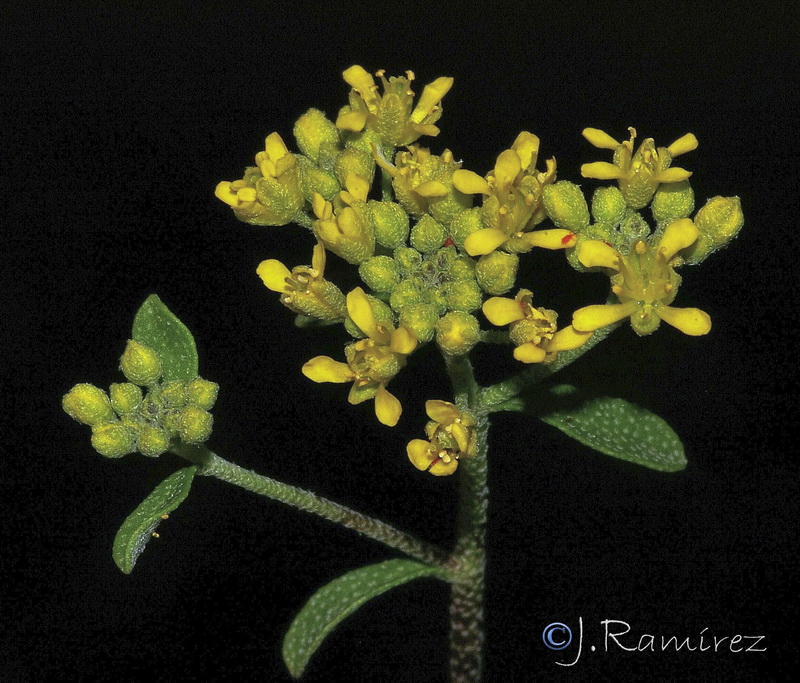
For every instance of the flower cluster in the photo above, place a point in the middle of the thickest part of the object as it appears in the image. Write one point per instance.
(432, 260)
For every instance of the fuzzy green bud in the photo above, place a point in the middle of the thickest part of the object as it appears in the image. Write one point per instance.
(173, 394)
(457, 332)
(672, 201)
(88, 404)
(463, 295)
(566, 205)
(497, 272)
(608, 206)
(202, 393)
(194, 424)
(152, 441)
(390, 223)
(409, 260)
(719, 221)
(140, 364)
(464, 224)
(112, 439)
(422, 319)
(428, 235)
(407, 293)
(462, 268)
(380, 273)
(313, 130)
(125, 398)
(353, 160)
(314, 179)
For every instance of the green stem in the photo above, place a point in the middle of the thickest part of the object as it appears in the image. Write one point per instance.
(213, 465)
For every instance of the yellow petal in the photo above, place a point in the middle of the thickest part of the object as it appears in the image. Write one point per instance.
(594, 253)
(600, 138)
(683, 144)
(432, 94)
(507, 166)
(567, 339)
(673, 175)
(527, 148)
(691, 321)
(601, 170)
(502, 311)
(325, 369)
(352, 120)
(550, 239)
(360, 312)
(442, 412)
(431, 188)
(357, 186)
(247, 194)
(273, 274)
(529, 353)
(470, 182)
(425, 129)
(387, 407)
(358, 78)
(678, 235)
(462, 436)
(441, 468)
(484, 241)
(591, 318)
(318, 258)
(403, 341)
(275, 147)
(223, 191)
(322, 208)
(419, 453)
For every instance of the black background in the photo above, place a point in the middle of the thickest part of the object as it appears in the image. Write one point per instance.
(117, 124)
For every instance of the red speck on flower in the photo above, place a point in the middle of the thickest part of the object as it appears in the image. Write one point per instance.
(449, 242)
(566, 239)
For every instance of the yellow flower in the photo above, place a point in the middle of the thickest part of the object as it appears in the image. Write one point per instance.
(533, 330)
(639, 174)
(645, 284)
(269, 193)
(304, 289)
(451, 435)
(371, 362)
(512, 201)
(392, 115)
(344, 226)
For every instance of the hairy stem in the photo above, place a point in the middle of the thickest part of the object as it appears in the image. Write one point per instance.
(213, 465)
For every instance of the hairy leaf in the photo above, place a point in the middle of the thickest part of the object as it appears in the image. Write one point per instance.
(158, 327)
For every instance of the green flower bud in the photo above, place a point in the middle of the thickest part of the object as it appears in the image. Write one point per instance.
(632, 229)
(719, 221)
(428, 235)
(112, 439)
(202, 393)
(409, 260)
(566, 205)
(173, 394)
(312, 130)
(435, 296)
(464, 224)
(390, 223)
(462, 268)
(125, 398)
(497, 272)
(463, 295)
(88, 404)
(457, 333)
(608, 206)
(314, 179)
(353, 160)
(171, 420)
(407, 293)
(140, 364)
(422, 319)
(380, 273)
(282, 198)
(194, 425)
(152, 441)
(672, 201)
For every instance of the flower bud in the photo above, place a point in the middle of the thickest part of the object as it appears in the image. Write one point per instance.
(202, 393)
(140, 364)
(428, 235)
(464, 224)
(462, 268)
(353, 160)
(313, 130)
(88, 404)
(125, 398)
(173, 394)
(608, 206)
(380, 273)
(409, 260)
(152, 441)
(194, 424)
(496, 272)
(112, 439)
(390, 223)
(719, 221)
(421, 319)
(463, 295)
(566, 205)
(672, 201)
(407, 293)
(315, 179)
(457, 332)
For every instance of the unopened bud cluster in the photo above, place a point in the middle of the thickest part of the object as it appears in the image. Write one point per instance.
(144, 414)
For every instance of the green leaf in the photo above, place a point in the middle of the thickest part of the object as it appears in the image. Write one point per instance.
(158, 327)
(341, 597)
(615, 427)
(137, 529)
